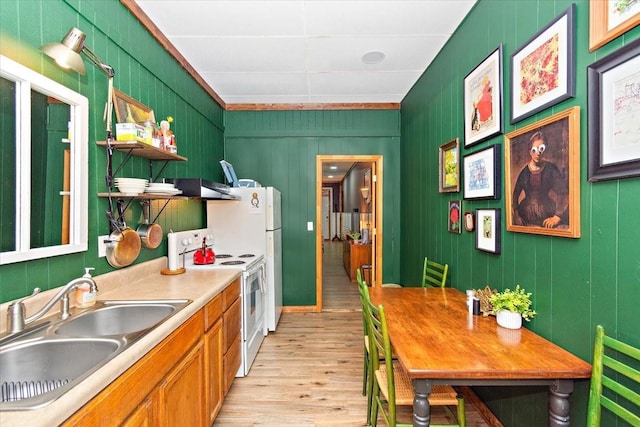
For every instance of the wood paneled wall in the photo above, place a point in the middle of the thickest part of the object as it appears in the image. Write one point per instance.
(576, 283)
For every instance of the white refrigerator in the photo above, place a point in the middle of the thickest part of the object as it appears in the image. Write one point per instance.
(252, 223)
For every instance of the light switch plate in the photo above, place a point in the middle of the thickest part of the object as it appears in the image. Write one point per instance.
(310, 226)
(102, 246)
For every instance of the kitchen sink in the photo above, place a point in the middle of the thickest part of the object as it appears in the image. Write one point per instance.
(116, 319)
(43, 362)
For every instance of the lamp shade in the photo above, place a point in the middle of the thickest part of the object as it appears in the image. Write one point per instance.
(67, 52)
(365, 193)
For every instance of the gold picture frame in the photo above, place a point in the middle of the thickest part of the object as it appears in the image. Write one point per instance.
(449, 167)
(605, 26)
(543, 196)
(129, 110)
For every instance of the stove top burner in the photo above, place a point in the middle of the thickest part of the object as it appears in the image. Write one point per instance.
(236, 262)
(224, 256)
(246, 256)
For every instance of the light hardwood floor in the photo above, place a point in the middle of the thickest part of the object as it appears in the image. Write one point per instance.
(309, 372)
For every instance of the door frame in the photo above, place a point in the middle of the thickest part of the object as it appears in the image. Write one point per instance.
(376, 202)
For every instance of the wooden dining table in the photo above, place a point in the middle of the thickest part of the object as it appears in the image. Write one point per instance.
(437, 341)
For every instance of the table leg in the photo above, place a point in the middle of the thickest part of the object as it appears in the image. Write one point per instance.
(421, 409)
(559, 393)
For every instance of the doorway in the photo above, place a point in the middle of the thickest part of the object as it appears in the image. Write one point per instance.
(373, 181)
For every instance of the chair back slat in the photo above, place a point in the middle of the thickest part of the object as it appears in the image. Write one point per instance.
(434, 274)
(613, 372)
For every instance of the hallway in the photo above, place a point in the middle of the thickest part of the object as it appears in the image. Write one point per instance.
(309, 372)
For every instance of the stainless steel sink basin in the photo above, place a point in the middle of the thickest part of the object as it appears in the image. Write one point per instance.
(33, 372)
(116, 319)
(39, 365)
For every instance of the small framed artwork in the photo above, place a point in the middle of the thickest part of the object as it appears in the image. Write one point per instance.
(488, 231)
(483, 99)
(543, 69)
(455, 225)
(469, 221)
(613, 115)
(482, 174)
(609, 19)
(129, 110)
(449, 169)
(542, 168)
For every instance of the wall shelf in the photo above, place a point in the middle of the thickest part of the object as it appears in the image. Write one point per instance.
(142, 150)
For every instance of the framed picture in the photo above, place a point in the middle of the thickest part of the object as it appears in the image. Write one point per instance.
(449, 170)
(613, 115)
(609, 19)
(455, 225)
(488, 230)
(129, 110)
(469, 221)
(483, 99)
(542, 168)
(482, 174)
(543, 69)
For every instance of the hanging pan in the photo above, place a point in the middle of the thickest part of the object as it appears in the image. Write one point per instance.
(150, 233)
(123, 246)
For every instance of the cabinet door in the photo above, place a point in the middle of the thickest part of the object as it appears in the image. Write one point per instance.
(182, 397)
(141, 417)
(232, 323)
(213, 366)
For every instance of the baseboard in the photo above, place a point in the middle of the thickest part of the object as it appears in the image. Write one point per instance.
(471, 397)
(300, 309)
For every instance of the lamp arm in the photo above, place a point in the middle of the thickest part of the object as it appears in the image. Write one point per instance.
(95, 60)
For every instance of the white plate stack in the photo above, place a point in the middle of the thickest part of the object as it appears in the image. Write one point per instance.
(131, 186)
(162, 188)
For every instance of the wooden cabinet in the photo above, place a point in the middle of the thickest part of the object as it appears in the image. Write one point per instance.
(182, 380)
(232, 333)
(213, 353)
(354, 257)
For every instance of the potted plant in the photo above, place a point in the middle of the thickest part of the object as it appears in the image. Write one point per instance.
(510, 307)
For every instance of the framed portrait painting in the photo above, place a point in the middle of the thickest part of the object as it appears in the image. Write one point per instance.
(483, 99)
(613, 115)
(129, 110)
(609, 19)
(488, 231)
(542, 168)
(482, 174)
(449, 170)
(543, 69)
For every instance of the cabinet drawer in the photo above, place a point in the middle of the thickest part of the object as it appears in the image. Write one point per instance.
(230, 294)
(212, 312)
(232, 361)
(232, 323)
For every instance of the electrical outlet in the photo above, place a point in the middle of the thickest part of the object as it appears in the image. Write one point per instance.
(102, 246)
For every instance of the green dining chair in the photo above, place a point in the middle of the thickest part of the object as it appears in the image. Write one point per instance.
(434, 274)
(616, 369)
(391, 385)
(367, 379)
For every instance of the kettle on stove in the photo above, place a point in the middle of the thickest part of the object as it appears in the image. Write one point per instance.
(204, 255)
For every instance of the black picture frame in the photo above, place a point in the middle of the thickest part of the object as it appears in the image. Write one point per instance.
(483, 85)
(604, 123)
(488, 230)
(528, 71)
(482, 174)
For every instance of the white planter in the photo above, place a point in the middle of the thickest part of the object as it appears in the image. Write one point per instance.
(509, 319)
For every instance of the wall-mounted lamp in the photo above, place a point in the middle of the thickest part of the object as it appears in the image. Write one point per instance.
(365, 194)
(67, 55)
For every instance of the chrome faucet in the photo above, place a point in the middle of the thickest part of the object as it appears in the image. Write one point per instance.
(16, 317)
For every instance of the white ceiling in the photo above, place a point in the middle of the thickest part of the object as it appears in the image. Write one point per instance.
(307, 51)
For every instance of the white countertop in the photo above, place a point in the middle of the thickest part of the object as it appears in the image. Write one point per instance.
(141, 281)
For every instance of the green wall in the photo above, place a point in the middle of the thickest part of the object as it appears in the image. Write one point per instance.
(279, 148)
(145, 71)
(576, 283)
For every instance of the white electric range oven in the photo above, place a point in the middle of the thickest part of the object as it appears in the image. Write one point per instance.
(183, 244)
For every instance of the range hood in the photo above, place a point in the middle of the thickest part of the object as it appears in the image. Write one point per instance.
(198, 187)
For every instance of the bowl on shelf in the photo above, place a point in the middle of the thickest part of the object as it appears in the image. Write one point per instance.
(131, 185)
